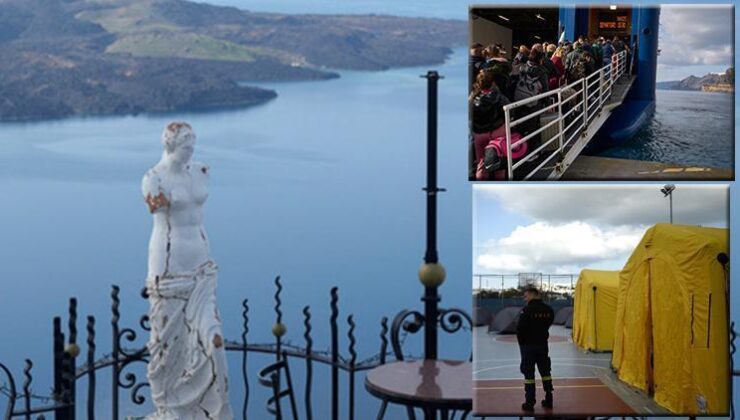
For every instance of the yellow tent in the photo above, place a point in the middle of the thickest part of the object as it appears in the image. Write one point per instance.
(595, 309)
(671, 337)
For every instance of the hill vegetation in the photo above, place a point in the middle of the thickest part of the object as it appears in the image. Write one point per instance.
(94, 57)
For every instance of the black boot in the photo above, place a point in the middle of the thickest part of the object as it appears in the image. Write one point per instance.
(529, 395)
(547, 402)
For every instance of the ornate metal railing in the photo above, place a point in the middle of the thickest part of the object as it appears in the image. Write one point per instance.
(63, 401)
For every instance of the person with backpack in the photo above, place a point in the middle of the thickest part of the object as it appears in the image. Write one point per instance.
(618, 44)
(586, 45)
(487, 114)
(521, 56)
(532, 81)
(499, 66)
(590, 63)
(576, 64)
(557, 61)
(486, 103)
(597, 52)
(501, 50)
(552, 71)
(475, 61)
(574, 51)
(607, 50)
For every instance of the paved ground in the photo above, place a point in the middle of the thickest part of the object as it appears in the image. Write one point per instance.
(614, 169)
(574, 397)
(584, 383)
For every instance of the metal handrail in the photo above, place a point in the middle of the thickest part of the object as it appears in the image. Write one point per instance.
(591, 92)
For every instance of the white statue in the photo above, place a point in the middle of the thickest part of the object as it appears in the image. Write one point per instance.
(187, 367)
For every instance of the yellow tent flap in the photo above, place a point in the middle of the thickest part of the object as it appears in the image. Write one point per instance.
(595, 309)
(671, 336)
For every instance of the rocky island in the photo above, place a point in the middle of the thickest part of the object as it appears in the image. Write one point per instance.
(712, 82)
(109, 57)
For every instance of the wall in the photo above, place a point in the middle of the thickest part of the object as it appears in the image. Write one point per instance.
(487, 33)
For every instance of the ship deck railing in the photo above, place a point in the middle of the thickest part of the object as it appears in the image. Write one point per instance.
(576, 110)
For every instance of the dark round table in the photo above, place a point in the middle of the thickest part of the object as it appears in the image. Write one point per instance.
(432, 385)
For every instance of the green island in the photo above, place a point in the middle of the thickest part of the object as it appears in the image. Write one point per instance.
(67, 58)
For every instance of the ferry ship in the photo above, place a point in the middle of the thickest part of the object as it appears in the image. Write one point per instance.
(601, 110)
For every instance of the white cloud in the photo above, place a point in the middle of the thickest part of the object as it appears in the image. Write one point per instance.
(612, 205)
(696, 35)
(558, 248)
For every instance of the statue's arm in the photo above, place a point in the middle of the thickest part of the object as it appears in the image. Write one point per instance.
(153, 194)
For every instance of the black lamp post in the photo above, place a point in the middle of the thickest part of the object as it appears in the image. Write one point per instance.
(431, 273)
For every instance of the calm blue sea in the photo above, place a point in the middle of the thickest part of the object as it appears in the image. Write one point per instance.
(689, 128)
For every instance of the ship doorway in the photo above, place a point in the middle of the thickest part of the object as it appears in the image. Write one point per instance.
(512, 27)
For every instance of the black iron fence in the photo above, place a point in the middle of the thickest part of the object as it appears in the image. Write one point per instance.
(64, 402)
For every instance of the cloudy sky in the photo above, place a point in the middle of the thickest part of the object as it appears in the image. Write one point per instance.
(563, 229)
(694, 40)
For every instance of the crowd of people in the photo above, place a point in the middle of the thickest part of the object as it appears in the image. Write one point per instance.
(496, 81)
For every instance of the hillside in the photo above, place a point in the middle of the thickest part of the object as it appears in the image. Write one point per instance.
(712, 82)
(95, 57)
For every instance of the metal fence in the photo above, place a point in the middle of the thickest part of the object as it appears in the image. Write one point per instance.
(66, 371)
(573, 108)
(556, 283)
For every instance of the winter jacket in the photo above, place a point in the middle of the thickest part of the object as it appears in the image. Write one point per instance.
(572, 57)
(534, 322)
(550, 68)
(501, 69)
(488, 111)
(606, 52)
(475, 64)
(554, 72)
(598, 54)
(530, 71)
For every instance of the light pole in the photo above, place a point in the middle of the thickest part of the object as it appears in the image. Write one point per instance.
(667, 191)
(431, 273)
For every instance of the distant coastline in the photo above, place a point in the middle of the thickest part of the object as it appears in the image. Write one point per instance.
(712, 82)
(126, 57)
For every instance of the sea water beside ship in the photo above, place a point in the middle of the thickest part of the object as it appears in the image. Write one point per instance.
(688, 128)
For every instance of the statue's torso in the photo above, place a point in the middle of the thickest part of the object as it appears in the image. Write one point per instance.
(178, 243)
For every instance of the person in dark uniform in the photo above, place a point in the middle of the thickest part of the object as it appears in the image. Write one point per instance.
(532, 334)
